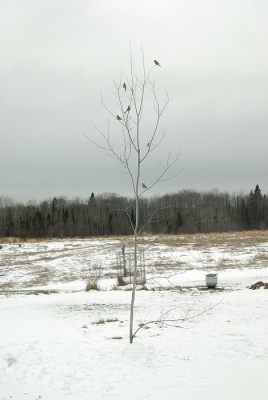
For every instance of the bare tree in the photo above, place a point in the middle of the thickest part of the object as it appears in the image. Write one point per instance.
(179, 319)
(131, 92)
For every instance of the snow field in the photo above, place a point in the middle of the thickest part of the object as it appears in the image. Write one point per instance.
(53, 346)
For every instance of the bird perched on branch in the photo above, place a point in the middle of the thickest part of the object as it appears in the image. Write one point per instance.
(157, 63)
(125, 86)
(118, 118)
(144, 186)
(128, 109)
(148, 144)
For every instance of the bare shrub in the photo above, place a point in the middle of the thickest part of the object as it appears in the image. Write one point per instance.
(103, 321)
(94, 276)
(99, 322)
(113, 319)
(92, 286)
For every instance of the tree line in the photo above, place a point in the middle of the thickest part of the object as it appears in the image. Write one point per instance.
(187, 211)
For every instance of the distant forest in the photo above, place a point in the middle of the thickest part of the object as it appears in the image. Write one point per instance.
(187, 211)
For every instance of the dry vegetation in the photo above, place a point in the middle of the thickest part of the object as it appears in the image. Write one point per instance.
(92, 286)
(245, 238)
(25, 266)
(200, 239)
(103, 321)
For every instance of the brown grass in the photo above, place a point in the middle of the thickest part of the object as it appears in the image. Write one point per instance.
(6, 286)
(203, 239)
(28, 292)
(261, 256)
(26, 263)
(257, 236)
(15, 240)
(99, 322)
(37, 292)
(103, 321)
(92, 286)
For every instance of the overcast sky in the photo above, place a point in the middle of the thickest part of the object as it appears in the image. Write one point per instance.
(58, 55)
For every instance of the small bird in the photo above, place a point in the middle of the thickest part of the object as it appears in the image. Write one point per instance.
(118, 118)
(148, 144)
(144, 186)
(157, 63)
(128, 109)
(125, 86)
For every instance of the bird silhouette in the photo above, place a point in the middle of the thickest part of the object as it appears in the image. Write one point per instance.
(144, 186)
(118, 118)
(125, 86)
(128, 109)
(148, 144)
(157, 63)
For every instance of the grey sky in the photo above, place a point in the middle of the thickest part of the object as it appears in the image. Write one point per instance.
(57, 56)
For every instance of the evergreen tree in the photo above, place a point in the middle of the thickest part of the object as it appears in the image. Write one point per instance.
(259, 206)
(257, 192)
(254, 205)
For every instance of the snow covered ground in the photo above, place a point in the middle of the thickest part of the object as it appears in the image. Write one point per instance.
(72, 344)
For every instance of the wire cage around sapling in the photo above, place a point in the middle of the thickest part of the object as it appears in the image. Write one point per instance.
(125, 267)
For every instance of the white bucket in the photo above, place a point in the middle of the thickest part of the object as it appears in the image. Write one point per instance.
(211, 280)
